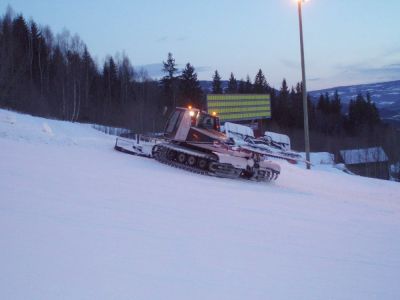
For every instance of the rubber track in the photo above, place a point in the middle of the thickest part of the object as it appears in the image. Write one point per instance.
(160, 155)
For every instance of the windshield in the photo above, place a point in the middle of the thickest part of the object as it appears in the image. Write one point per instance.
(173, 122)
(208, 122)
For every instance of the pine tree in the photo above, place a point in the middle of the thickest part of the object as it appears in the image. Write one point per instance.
(169, 66)
(232, 85)
(336, 105)
(110, 77)
(169, 82)
(373, 113)
(362, 112)
(248, 86)
(242, 86)
(323, 104)
(125, 74)
(260, 83)
(299, 88)
(282, 109)
(216, 83)
(89, 73)
(296, 107)
(284, 91)
(190, 90)
(19, 60)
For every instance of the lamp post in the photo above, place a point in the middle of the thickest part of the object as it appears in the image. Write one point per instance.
(303, 70)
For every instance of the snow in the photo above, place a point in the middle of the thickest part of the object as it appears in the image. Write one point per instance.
(232, 128)
(279, 138)
(46, 129)
(386, 102)
(364, 155)
(320, 158)
(79, 220)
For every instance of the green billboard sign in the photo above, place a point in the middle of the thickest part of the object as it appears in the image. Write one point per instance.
(237, 107)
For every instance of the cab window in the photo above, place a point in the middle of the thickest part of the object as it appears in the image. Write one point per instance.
(208, 122)
(174, 121)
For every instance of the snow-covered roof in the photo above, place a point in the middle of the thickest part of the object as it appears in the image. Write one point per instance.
(238, 129)
(278, 137)
(365, 155)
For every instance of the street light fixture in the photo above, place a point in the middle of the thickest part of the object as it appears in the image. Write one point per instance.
(303, 69)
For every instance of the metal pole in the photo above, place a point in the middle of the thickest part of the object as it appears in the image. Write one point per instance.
(305, 106)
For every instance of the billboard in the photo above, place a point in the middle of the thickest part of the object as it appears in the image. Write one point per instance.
(239, 107)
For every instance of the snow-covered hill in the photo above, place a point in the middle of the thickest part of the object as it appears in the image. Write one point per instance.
(79, 220)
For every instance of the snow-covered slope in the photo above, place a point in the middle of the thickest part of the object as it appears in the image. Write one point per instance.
(79, 220)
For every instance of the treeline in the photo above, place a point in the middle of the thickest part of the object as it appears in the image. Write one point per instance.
(56, 76)
(326, 115)
(361, 115)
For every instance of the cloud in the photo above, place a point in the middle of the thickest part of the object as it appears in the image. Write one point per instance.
(165, 39)
(162, 39)
(389, 70)
(359, 73)
(291, 64)
(365, 72)
(394, 66)
(393, 51)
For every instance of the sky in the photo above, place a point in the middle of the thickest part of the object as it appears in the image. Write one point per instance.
(346, 41)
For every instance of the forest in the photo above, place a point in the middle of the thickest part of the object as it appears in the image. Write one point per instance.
(55, 76)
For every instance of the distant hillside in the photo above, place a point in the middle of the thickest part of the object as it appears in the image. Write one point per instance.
(386, 96)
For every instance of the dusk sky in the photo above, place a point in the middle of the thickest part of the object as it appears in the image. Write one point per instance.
(346, 41)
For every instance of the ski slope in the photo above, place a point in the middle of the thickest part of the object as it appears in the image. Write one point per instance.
(79, 220)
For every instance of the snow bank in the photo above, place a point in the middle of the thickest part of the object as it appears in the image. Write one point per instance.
(79, 220)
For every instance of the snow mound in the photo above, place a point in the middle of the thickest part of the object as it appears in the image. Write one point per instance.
(47, 130)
